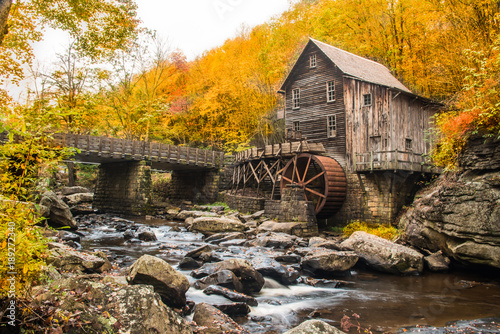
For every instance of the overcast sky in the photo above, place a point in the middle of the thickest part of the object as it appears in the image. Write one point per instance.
(193, 26)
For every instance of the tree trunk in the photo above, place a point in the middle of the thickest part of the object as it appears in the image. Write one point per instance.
(71, 174)
(4, 15)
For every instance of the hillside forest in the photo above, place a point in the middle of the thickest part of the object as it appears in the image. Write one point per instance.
(447, 50)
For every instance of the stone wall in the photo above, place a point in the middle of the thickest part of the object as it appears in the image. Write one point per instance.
(195, 186)
(376, 197)
(123, 187)
(293, 206)
(244, 204)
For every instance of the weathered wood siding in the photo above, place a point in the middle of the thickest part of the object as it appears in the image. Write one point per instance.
(314, 108)
(387, 123)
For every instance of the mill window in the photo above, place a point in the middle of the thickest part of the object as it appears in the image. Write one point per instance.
(330, 91)
(296, 98)
(408, 144)
(332, 126)
(312, 60)
(367, 99)
(296, 126)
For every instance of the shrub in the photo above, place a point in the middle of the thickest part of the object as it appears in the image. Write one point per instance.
(384, 231)
(23, 248)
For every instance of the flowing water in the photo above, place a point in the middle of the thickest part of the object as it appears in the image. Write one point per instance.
(375, 301)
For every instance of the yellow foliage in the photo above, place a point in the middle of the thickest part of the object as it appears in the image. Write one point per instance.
(23, 251)
(384, 231)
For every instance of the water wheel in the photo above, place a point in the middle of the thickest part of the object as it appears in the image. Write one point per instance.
(322, 179)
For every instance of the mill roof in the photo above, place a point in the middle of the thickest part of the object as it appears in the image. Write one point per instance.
(356, 66)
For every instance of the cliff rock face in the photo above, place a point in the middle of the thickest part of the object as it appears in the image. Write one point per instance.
(460, 213)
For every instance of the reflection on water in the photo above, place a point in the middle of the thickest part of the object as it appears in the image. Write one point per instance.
(383, 302)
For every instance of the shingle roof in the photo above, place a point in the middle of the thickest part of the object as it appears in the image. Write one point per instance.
(359, 67)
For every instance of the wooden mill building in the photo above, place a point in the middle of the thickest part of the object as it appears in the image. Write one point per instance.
(374, 131)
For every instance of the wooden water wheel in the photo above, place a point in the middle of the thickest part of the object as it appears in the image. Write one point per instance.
(322, 179)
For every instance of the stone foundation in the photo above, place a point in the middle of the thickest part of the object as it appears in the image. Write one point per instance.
(123, 187)
(377, 197)
(244, 204)
(292, 207)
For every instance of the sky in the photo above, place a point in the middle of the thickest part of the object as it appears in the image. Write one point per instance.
(194, 26)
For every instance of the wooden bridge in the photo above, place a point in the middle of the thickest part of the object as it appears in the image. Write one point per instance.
(93, 149)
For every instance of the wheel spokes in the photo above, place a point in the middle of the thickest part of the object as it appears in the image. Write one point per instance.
(314, 178)
(315, 192)
(307, 168)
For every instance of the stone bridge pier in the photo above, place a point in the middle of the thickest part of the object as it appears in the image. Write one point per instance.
(123, 187)
(126, 187)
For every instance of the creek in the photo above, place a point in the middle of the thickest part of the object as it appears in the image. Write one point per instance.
(384, 303)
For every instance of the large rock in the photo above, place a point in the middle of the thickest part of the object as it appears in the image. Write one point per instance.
(212, 225)
(314, 327)
(145, 233)
(384, 255)
(167, 282)
(66, 258)
(225, 278)
(273, 240)
(109, 308)
(183, 215)
(79, 198)
(272, 268)
(323, 262)
(211, 317)
(74, 190)
(60, 215)
(230, 294)
(141, 311)
(250, 278)
(460, 213)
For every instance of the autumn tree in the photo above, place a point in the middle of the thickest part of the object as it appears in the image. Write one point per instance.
(99, 27)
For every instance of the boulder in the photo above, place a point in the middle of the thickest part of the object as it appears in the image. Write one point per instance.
(75, 190)
(196, 253)
(183, 215)
(324, 262)
(140, 310)
(60, 215)
(273, 240)
(65, 258)
(314, 327)
(459, 214)
(188, 263)
(293, 228)
(250, 278)
(234, 309)
(315, 240)
(211, 317)
(272, 268)
(222, 237)
(79, 198)
(230, 294)
(110, 308)
(437, 262)
(167, 282)
(145, 233)
(224, 278)
(212, 225)
(384, 255)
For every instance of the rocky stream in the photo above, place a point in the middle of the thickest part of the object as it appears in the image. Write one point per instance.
(270, 282)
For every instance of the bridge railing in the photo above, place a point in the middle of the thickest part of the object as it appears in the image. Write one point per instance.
(106, 147)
